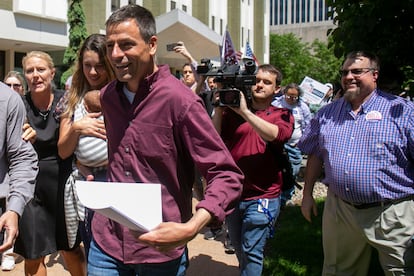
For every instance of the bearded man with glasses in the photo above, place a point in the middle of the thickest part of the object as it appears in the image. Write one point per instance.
(365, 141)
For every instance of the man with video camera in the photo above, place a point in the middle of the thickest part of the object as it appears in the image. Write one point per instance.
(255, 134)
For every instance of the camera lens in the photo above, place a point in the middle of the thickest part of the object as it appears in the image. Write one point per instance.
(229, 97)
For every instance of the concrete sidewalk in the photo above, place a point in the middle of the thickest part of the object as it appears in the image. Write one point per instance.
(207, 258)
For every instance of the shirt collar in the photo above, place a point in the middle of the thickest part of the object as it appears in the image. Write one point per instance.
(366, 106)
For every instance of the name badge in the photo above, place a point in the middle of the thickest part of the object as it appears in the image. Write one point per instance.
(373, 116)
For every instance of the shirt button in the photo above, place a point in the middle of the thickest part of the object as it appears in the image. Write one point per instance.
(346, 172)
(347, 189)
(127, 149)
(349, 154)
(127, 173)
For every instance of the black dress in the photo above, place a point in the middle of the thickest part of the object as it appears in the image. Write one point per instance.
(42, 228)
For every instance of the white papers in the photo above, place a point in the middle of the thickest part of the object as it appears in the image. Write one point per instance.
(314, 91)
(134, 205)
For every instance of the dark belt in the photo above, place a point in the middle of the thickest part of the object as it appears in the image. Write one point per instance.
(384, 203)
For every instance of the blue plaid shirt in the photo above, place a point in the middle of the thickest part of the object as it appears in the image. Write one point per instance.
(368, 157)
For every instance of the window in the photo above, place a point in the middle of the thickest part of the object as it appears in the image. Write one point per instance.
(173, 5)
(115, 4)
(184, 7)
(54, 10)
(213, 23)
(221, 26)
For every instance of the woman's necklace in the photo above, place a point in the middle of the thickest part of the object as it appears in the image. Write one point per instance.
(44, 114)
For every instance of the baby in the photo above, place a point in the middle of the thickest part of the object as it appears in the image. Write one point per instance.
(91, 101)
(91, 152)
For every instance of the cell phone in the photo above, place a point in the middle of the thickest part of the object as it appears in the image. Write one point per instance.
(171, 46)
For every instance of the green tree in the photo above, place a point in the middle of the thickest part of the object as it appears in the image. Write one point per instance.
(297, 59)
(77, 33)
(385, 28)
(326, 64)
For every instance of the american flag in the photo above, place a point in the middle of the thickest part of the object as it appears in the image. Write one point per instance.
(249, 54)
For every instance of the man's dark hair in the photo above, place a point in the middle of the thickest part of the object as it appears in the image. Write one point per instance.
(143, 18)
(273, 70)
(374, 60)
(187, 64)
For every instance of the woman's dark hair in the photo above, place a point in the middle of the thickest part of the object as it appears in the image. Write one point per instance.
(293, 86)
(97, 44)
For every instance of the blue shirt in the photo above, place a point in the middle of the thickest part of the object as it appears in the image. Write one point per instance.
(368, 157)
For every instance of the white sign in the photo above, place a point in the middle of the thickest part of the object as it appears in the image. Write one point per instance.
(313, 91)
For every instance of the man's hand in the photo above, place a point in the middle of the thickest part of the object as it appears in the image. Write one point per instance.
(181, 49)
(308, 206)
(167, 236)
(170, 235)
(9, 222)
(242, 108)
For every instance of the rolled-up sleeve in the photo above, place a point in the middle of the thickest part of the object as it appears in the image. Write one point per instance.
(309, 142)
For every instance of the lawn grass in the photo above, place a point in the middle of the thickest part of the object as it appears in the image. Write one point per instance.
(296, 249)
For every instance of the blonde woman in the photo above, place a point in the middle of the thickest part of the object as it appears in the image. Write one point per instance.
(42, 225)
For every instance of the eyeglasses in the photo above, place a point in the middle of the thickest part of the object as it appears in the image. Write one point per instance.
(295, 98)
(14, 85)
(357, 72)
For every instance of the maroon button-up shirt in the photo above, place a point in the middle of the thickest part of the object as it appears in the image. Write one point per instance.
(159, 138)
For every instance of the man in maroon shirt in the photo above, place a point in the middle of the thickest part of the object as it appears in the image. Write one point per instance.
(157, 135)
(255, 136)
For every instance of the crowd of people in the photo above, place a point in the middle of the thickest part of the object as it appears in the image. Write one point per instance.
(125, 118)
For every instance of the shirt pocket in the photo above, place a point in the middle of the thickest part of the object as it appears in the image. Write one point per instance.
(385, 141)
(151, 140)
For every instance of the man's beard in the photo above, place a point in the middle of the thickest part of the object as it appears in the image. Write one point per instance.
(351, 95)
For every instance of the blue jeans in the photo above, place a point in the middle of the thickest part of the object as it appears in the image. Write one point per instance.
(295, 158)
(249, 230)
(100, 263)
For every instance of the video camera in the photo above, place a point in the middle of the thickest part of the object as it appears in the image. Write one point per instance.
(233, 79)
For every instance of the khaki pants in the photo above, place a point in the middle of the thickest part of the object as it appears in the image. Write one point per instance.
(349, 234)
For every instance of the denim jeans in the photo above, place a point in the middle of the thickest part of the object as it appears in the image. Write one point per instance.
(295, 158)
(249, 230)
(100, 263)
